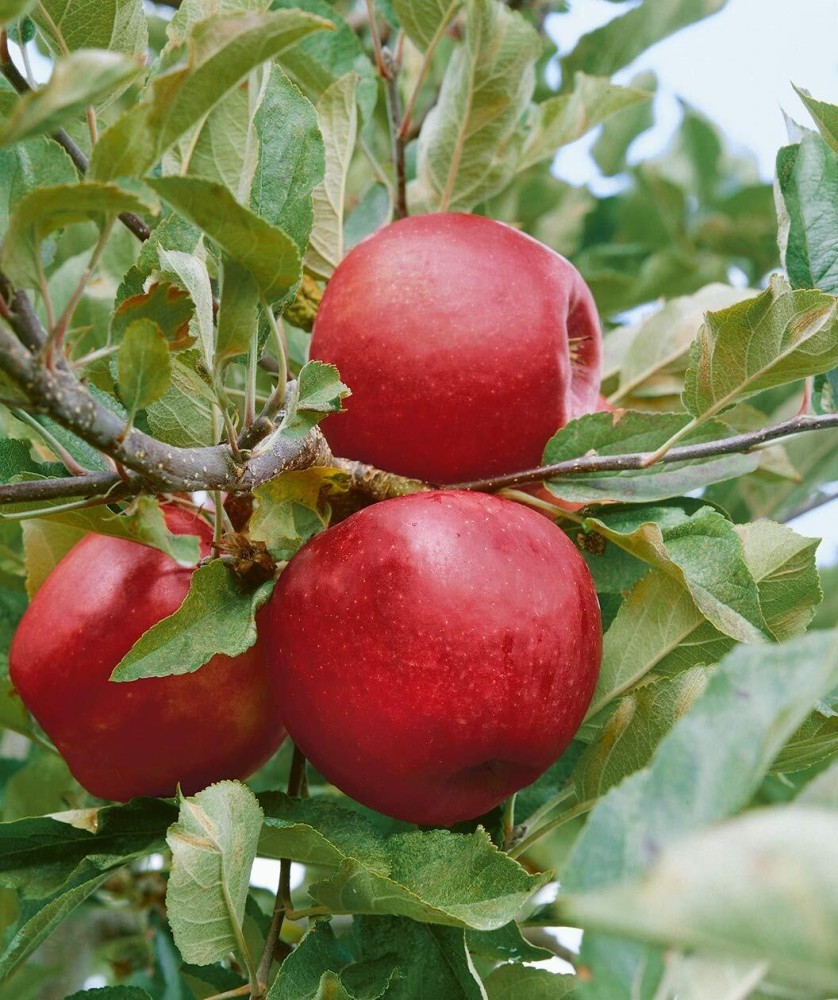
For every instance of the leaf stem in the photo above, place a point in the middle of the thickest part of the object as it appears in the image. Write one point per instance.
(578, 810)
(394, 115)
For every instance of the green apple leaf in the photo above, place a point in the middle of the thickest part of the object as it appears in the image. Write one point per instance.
(12, 10)
(437, 877)
(183, 415)
(629, 431)
(565, 118)
(28, 165)
(660, 344)
(321, 59)
(424, 21)
(432, 961)
(80, 79)
(319, 392)
(807, 175)
(321, 968)
(223, 49)
(111, 993)
(623, 127)
(659, 626)
(291, 159)
(265, 251)
(337, 115)
(118, 25)
(44, 544)
(292, 508)
(825, 115)
(719, 750)
(521, 982)
(48, 208)
(216, 616)
(238, 314)
(143, 365)
(632, 733)
(188, 271)
(506, 944)
(213, 845)
(761, 886)
(778, 337)
(605, 50)
(470, 143)
(701, 551)
(145, 524)
(814, 741)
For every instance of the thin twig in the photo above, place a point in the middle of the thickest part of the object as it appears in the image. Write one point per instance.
(282, 903)
(809, 506)
(738, 444)
(394, 114)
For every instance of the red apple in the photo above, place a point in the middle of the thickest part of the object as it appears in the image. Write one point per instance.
(466, 344)
(146, 736)
(435, 652)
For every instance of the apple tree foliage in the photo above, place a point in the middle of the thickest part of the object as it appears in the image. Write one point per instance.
(191, 171)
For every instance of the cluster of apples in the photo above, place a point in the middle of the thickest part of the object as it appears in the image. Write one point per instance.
(431, 654)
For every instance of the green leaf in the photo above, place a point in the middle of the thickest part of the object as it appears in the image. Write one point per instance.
(78, 80)
(145, 524)
(825, 115)
(623, 127)
(808, 178)
(144, 365)
(223, 49)
(632, 733)
(269, 254)
(188, 270)
(319, 392)
(424, 21)
(470, 143)
(216, 617)
(111, 993)
(437, 877)
(238, 320)
(778, 337)
(783, 563)
(48, 208)
(118, 25)
(627, 432)
(320, 968)
(11, 10)
(564, 119)
(213, 846)
(700, 551)
(609, 48)
(337, 116)
(29, 165)
(58, 862)
(516, 982)
(712, 760)
(432, 961)
(44, 545)
(658, 346)
(761, 886)
(292, 508)
(814, 741)
(291, 159)
(183, 415)
(506, 944)
(16, 458)
(323, 58)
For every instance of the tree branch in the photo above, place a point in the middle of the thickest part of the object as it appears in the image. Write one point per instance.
(740, 443)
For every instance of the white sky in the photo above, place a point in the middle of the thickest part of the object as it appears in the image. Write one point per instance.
(736, 66)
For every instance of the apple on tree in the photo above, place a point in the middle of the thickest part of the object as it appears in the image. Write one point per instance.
(466, 344)
(436, 652)
(147, 736)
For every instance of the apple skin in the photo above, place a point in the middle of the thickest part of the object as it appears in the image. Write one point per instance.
(466, 345)
(146, 736)
(435, 652)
